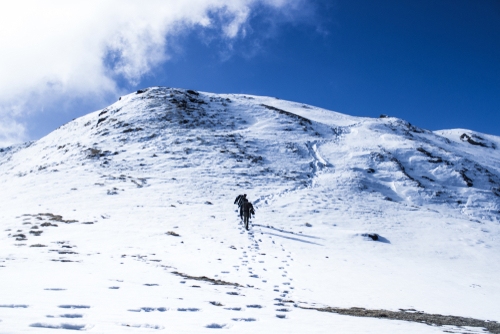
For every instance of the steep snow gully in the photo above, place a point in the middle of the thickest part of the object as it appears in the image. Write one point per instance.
(123, 221)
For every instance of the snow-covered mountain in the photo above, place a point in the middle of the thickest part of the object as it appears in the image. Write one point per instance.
(123, 221)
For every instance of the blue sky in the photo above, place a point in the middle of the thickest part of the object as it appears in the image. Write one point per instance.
(435, 64)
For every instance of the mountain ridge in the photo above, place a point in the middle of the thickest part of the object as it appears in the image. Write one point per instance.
(463, 170)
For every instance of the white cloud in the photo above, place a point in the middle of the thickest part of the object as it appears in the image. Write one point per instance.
(56, 48)
(11, 132)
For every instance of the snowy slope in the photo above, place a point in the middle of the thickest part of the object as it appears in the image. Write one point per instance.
(120, 183)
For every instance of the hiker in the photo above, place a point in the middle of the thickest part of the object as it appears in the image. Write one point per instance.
(241, 207)
(240, 199)
(247, 210)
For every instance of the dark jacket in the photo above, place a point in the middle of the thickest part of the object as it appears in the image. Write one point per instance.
(248, 209)
(239, 200)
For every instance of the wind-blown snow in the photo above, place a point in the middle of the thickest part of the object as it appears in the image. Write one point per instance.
(142, 195)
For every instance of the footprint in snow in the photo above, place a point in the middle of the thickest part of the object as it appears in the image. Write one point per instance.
(188, 309)
(67, 316)
(216, 326)
(144, 326)
(15, 306)
(73, 306)
(254, 306)
(150, 309)
(61, 326)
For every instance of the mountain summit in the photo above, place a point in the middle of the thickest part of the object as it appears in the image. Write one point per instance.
(125, 218)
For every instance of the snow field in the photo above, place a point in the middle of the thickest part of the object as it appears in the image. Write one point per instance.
(114, 263)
